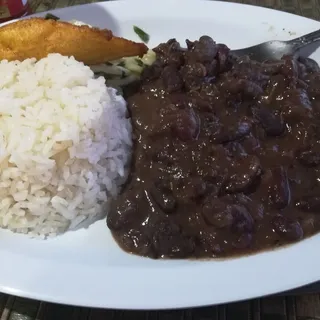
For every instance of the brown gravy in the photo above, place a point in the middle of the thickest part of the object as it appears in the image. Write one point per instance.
(226, 155)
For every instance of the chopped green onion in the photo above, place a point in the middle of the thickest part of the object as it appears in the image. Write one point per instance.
(51, 16)
(141, 34)
(139, 62)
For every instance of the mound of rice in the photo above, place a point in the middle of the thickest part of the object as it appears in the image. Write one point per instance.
(65, 142)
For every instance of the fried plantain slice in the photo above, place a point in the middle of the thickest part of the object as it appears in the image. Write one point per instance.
(37, 37)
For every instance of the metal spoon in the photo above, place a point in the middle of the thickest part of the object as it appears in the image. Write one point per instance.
(274, 50)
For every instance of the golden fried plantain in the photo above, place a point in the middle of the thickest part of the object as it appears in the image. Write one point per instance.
(37, 37)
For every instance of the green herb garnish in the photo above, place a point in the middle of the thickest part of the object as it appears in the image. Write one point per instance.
(51, 16)
(139, 63)
(141, 34)
(121, 64)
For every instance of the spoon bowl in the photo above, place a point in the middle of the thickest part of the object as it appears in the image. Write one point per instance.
(276, 49)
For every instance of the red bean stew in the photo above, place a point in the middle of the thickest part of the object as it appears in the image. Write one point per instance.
(226, 154)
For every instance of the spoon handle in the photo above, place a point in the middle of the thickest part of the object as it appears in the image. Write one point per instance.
(305, 40)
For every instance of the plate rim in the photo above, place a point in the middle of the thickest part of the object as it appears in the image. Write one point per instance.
(22, 284)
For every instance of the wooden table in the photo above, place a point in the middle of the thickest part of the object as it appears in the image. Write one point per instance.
(298, 305)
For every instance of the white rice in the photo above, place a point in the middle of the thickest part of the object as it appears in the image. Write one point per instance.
(65, 142)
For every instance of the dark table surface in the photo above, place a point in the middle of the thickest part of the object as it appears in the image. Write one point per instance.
(301, 304)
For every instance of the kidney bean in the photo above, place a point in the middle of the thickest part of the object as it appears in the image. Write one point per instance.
(175, 59)
(164, 199)
(168, 241)
(187, 125)
(208, 241)
(195, 188)
(272, 124)
(192, 75)
(171, 78)
(242, 220)
(311, 66)
(212, 69)
(278, 187)
(152, 72)
(272, 67)
(297, 106)
(243, 86)
(244, 241)
(290, 67)
(251, 144)
(203, 50)
(309, 157)
(172, 45)
(235, 149)
(290, 230)
(247, 170)
(135, 241)
(256, 209)
(180, 101)
(122, 213)
(217, 213)
(309, 203)
(222, 57)
(233, 132)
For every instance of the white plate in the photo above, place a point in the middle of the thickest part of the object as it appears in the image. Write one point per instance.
(86, 267)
